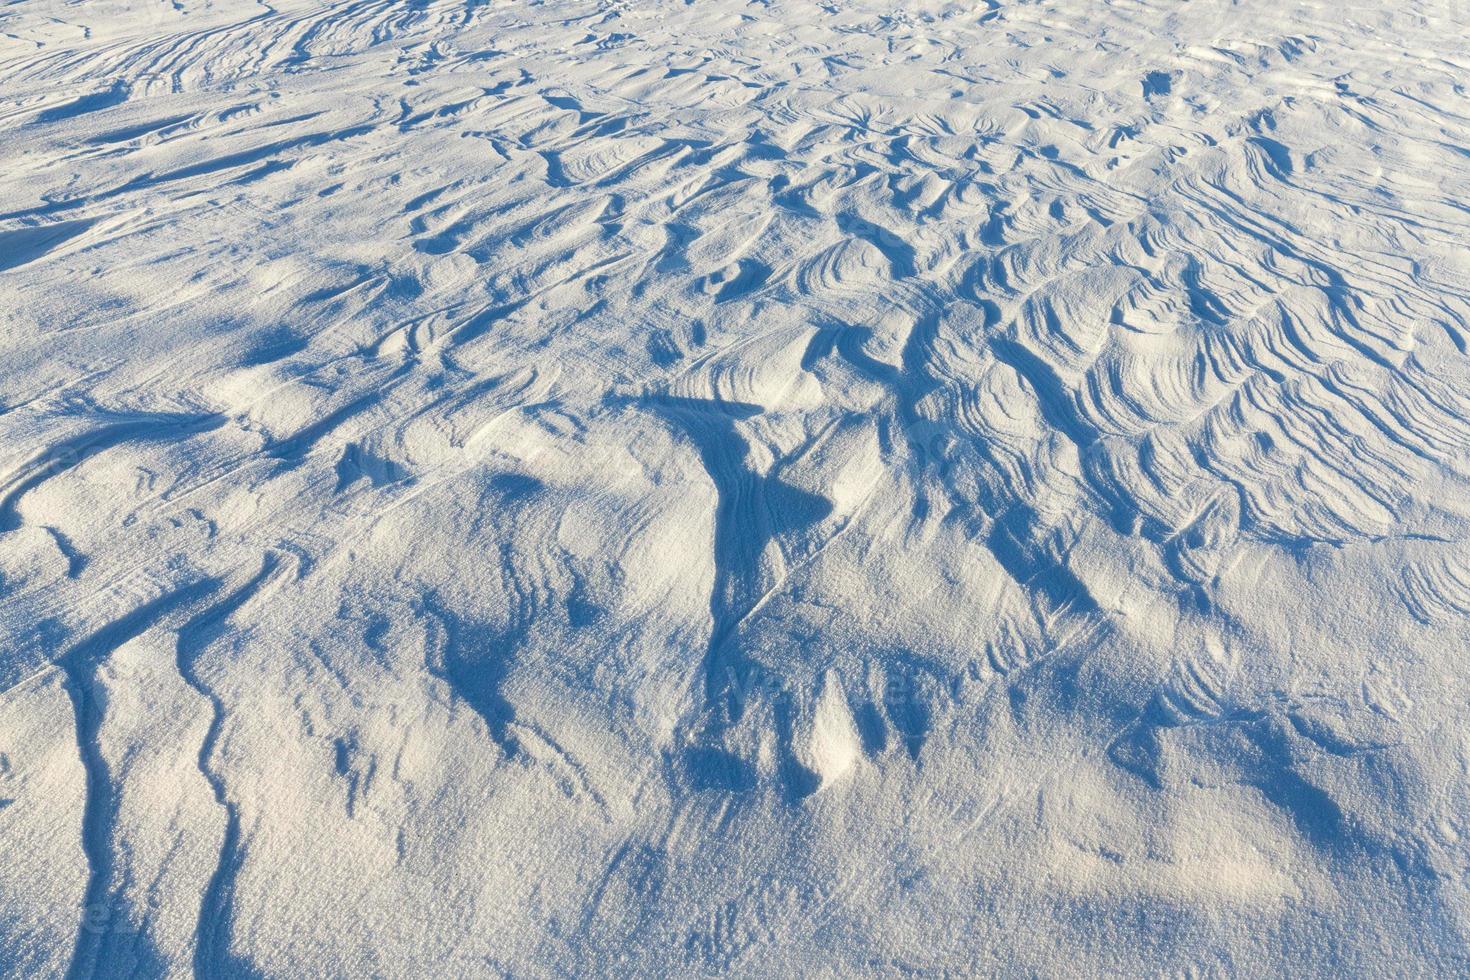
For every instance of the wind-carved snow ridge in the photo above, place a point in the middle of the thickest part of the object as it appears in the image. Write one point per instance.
(677, 489)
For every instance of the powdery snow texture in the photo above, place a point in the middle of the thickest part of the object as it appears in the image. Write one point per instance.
(612, 488)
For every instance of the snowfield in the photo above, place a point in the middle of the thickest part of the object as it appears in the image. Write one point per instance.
(625, 488)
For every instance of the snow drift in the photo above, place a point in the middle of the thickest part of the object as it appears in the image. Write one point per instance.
(667, 488)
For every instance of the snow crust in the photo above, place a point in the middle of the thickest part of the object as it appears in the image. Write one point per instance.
(652, 488)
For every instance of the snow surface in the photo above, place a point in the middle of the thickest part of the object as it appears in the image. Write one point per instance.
(651, 488)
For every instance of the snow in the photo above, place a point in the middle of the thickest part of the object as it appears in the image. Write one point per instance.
(769, 488)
